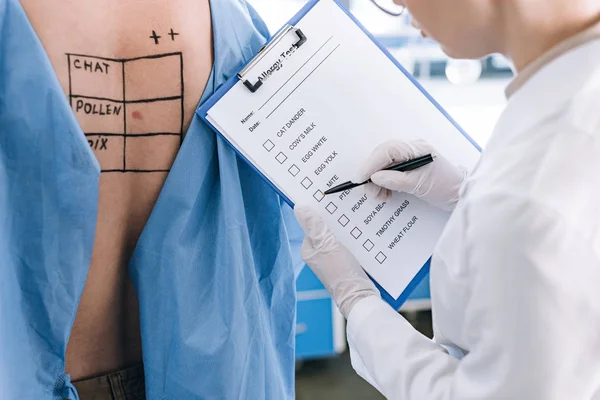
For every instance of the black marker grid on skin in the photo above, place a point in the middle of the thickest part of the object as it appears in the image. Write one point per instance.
(100, 141)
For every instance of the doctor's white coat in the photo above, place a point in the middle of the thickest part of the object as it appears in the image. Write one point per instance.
(515, 279)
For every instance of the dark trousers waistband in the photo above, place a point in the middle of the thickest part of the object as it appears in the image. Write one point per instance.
(127, 384)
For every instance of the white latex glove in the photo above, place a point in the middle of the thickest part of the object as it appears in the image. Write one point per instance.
(437, 183)
(333, 264)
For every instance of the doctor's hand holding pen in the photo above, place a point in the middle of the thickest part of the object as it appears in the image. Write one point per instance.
(438, 183)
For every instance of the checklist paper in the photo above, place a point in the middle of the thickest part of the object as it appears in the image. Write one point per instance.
(320, 111)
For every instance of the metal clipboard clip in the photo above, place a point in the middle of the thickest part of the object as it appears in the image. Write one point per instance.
(265, 50)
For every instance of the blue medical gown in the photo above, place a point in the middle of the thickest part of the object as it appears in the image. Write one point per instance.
(213, 268)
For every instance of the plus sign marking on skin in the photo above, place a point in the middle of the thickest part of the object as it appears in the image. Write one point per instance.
(173, 34)
(155, 37)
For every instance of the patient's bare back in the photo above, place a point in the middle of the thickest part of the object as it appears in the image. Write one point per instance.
(133, 72)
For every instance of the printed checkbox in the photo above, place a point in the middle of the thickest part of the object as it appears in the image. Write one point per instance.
(331, 208)
(281, 158)
(380, 257)
(343, 220)
(306, 183)
(368, 245)
(294, 170)
(356, 233)
(268, 145)
(319, 196)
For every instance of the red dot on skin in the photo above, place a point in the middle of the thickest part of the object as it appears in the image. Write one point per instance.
(137, 115)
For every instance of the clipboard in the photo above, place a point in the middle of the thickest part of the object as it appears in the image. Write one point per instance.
(254, 86)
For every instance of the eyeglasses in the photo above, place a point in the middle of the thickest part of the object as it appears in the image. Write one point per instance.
(389, 7)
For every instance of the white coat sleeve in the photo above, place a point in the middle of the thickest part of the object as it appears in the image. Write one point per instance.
(531, 323)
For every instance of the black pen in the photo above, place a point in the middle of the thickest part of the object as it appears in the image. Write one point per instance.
(401, 167)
